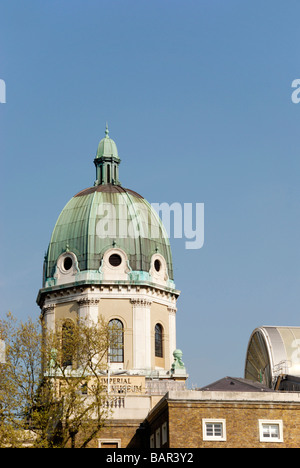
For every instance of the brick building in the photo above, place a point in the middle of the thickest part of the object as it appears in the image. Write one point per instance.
(232, 418)
(230, 413)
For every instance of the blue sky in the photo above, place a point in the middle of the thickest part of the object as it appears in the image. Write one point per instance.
(197, 94)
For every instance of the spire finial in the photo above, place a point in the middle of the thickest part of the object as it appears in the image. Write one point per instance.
(106, 131)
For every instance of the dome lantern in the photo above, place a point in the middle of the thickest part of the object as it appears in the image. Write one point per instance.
(107, 161)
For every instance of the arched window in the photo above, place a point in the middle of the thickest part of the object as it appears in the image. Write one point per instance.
(116, 339)
(158, 340)
(68, 350)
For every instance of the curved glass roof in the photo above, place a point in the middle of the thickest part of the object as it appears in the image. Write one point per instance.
(273, 351)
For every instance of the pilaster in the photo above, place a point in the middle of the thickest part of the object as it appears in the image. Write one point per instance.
(141, 333)
(88, 309)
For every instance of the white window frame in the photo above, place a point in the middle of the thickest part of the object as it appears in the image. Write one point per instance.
(109, 441)
(164, 433)
(214, 438)
(270, 422)
(157, 438)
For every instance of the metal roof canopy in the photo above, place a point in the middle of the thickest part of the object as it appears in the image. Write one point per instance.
(273, 351)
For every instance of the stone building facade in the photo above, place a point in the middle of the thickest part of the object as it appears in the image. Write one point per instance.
(109, 257)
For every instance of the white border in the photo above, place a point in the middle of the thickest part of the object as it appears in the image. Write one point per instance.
(109, 441)
(277, 422)
(214, 438)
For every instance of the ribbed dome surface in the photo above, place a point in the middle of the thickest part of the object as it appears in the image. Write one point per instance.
(107, 148)
(104, 216)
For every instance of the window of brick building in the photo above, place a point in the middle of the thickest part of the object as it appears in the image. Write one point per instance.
(164, 433)
(157, 438)
(160, 437)
(109, 443)
(270, 431)
(214, 429)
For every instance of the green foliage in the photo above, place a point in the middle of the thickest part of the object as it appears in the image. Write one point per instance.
(51, 385)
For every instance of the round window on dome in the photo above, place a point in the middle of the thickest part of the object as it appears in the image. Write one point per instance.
(115, 260)
(157, 265)
(68, 262)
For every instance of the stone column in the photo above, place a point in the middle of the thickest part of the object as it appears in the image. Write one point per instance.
(2, 352)
(141, 333)
(88, 309)
(172, 331)
(48, 317)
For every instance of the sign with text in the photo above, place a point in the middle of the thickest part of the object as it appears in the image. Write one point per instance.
(122, 384)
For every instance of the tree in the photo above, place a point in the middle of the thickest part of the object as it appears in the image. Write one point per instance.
(20, 377)
(53, 383)
(76, 363)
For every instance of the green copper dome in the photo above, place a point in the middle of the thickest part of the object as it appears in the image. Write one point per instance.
(108, 216)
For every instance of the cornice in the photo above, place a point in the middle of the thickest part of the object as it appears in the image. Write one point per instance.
(105, 286)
